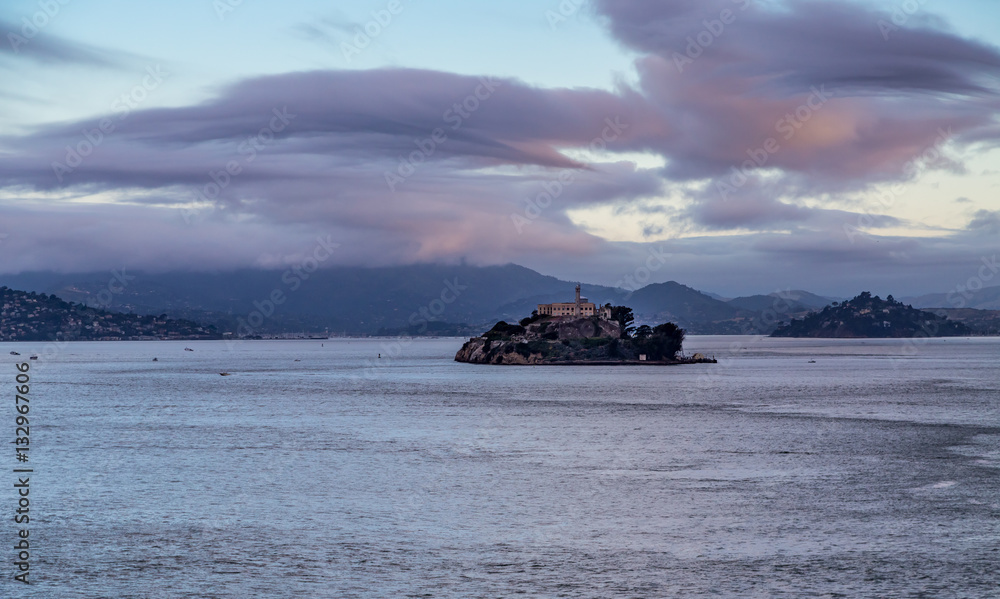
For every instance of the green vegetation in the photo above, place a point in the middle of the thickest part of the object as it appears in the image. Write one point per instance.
(530, 319)
(502, 330)
(39, 317)
(624, 317)
(868, 316)
(663, 342)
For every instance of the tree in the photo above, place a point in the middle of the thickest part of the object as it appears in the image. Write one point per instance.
(534, 317)
(624, 317)
(664, 343)
(643, 331)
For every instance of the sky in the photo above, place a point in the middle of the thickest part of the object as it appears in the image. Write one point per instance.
(737, 146)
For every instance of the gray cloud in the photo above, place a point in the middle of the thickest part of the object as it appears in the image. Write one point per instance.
(845, 108)
(985, 222)
(17, 43)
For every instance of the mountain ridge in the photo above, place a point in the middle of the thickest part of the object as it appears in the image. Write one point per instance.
(417, 299)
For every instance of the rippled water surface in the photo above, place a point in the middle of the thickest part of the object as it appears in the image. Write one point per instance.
(792, 468)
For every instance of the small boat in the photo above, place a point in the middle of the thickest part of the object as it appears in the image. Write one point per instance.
(224, 374)
(188, 349)
(14, 353)
(33, 358)
(156, 359)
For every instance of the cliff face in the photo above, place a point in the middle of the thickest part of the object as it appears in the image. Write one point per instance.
(544, 341)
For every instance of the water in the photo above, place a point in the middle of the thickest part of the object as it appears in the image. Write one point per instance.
(872, 472)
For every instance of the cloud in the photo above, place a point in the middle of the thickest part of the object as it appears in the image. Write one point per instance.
(843, 106)
(312, 152)
(20, 42)
(786, 102)
(985, 222)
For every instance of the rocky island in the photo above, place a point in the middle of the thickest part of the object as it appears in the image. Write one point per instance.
(578, 333)
(868, 316)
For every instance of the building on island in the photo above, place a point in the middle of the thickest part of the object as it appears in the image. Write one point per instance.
(580, 308)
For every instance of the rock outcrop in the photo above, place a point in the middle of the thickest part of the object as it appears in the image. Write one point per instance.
(570, 341)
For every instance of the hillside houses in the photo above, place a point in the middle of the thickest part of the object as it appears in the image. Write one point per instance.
(40, 317)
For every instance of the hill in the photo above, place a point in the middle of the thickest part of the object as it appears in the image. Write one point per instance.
(987, 298)
(868, 316)
(983, 322)
(339, 300)
(415, 299)
(28, 316)
(796, 301)
(689, 308)
(421, 299)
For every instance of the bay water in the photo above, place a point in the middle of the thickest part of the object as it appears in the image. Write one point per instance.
(793, 468)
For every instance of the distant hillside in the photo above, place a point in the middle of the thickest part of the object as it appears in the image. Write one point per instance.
(28, 316)
(689, 308)
(792, 301)
(984, 322)
(867, 316)
(987, 298)
(428, 299)
(338, 300)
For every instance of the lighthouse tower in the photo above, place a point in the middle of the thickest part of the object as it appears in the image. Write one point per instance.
(578, 312)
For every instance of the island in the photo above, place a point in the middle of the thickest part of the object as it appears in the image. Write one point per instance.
(867, 316)
(578, 333)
